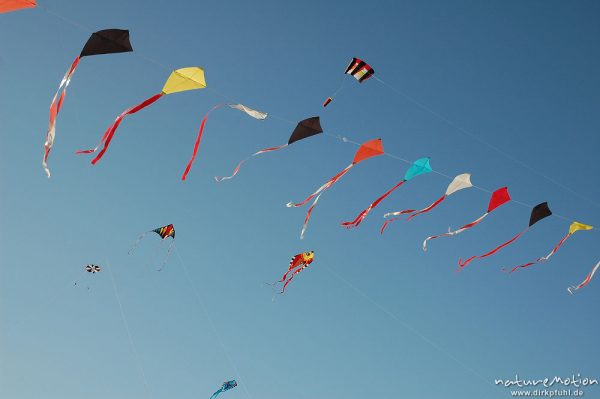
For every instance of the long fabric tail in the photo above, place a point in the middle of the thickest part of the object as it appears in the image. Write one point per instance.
(237, 168)
(543, 258)
(55, 107)
(462, 263)
(586, 281)
(387, 222)
(324, 187)
(136, 243)
(455, 232)
(169, 251)
(197, 144)
(292, 277)
(430, 207)
(316, 195)
(110, 132)
(214, 395)
(361, 216)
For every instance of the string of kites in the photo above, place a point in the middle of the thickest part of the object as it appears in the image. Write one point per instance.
(111, 41)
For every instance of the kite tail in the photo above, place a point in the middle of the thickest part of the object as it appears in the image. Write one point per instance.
(430, 207)
(455, 232)
(324, 187)
(169, 251)
(197, 144)
(307, 217)
(462, 263)
(55, 107)
(214, 395)
(361, 216)
(286, 283)
(237, 168)
(387, 222)
(110, 132)
(136, 243)
(586, 281)
(543, 258)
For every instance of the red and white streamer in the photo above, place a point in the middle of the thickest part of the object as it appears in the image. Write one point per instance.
(55, 107)
(110, 132)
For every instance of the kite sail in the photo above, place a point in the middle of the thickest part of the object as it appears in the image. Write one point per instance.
(419, 167)
(357, 68)
(586, 281)
(499, 198)
(298, 263)
(574, 227)
(227, 385)
(305, 128)
(538, 213)
(184, 79)
(91, 268)
(108, 41)
(368, 149)
(164, 232)
(249, 111)
(458, 183)
(14, 5)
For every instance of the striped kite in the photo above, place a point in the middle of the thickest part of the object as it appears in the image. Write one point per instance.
(305, 128)
(458, 183)
(574, 227)
(357, 68)
(108, 41)
(368, 149)
(499, 198)
(184, 79)
(539, 212)
(419, 167)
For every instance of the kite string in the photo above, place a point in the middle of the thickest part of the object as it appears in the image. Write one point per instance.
(484, 142)
(127, 329)
(408, 327)
(211, 322)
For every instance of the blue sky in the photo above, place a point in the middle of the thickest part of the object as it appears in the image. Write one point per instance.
(373, 316)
